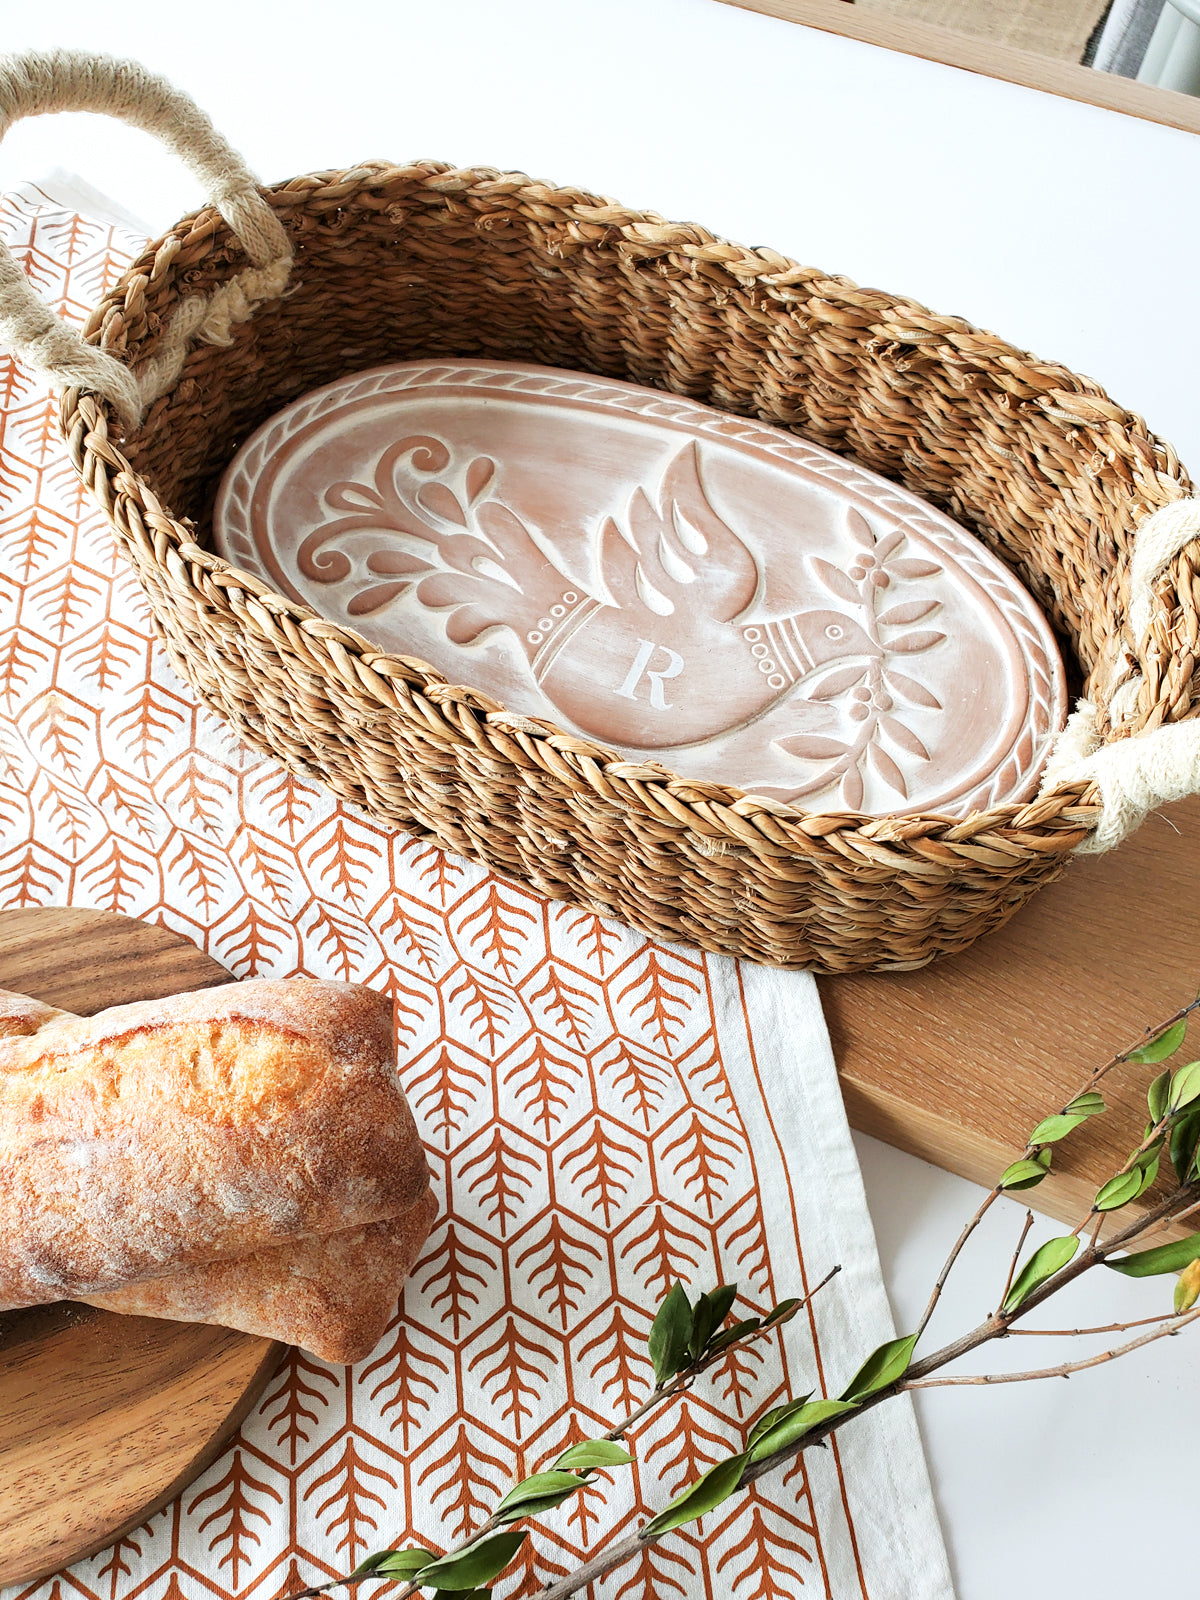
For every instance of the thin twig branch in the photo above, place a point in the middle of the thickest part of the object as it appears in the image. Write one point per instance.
(1081, 1333)
(1016, 1256)
(1067, 1368)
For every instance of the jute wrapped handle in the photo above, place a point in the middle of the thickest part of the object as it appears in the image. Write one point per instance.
(64, 80)
(1140, 771)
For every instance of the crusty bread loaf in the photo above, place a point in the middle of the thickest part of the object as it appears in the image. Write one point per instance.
(333, 1295)
(204, 1128)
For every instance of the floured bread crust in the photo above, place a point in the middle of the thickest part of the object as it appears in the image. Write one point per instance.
(173, 1134)
(332, 1295)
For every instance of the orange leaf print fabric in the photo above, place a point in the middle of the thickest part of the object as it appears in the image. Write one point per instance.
(603, 1116)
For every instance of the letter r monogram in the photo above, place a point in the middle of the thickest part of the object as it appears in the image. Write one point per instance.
(641, 663)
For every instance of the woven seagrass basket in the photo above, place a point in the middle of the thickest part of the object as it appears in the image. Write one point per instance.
(399, 262)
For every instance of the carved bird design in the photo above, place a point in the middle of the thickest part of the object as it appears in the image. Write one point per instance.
(667, 652)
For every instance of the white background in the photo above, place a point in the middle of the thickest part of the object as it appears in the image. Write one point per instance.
(1070, 230)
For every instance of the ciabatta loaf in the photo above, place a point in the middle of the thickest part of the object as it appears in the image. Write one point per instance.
(173, 1134)
(333, 1295)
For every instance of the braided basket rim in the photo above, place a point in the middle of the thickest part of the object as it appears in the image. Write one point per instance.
(712, 809)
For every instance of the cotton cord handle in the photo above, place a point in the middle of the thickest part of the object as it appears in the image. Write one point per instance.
(65, 80)
(1137, 773)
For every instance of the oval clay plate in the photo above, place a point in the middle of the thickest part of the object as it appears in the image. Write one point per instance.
(680, 584)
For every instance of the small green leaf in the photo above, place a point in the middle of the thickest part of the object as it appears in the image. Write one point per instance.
(795, 1422)
(1024, 1174)
(668, 1343)
(880, 1368)
(1185, 1136)
(1171, 1257)
(480, 1564)
(1156, 1095)
(1160, 1048)
(716, 1485)
(1042, 1264)
(404, 1565)
(732, 1335)
(770, 1419)
(783, 1312)
(1054, 1128)
(373, 1562)
(593, 1453)
(551, 1487)
(1148, 1167)
(1119, 1191)
(710, 1312)
(1185, 1086)
(1088, 1104)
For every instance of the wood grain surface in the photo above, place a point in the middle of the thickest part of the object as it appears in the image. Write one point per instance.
(957, 1062)
(103, 1419)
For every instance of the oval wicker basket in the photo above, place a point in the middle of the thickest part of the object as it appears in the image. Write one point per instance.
(394, 263)
(398, 262)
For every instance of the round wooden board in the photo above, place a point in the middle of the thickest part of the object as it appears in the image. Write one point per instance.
(103, 1419)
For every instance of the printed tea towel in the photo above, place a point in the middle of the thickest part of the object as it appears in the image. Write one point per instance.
(603, 1115)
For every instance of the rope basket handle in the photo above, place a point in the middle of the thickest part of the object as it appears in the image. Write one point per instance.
(1141, 771)
(66, 80)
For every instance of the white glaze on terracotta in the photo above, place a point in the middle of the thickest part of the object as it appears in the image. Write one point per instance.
(677, 583)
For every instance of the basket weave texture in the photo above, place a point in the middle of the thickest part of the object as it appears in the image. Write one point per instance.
(398, 263)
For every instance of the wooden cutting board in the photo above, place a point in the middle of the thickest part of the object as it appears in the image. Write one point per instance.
(959, 1061)
(103, 1419)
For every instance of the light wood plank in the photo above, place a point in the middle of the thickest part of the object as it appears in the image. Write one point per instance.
(990, 59)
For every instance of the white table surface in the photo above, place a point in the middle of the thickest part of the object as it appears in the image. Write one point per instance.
(1070, 230)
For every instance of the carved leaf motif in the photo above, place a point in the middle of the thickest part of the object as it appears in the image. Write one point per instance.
(910, 611)
(859, 528)
(852, 789)
(887, 769)
(479, 474)
(812, 746)
(442, 502)
(912, 567)
(835, 580)
(910, 689)
(837, 682)
(904, 737)
(909, 642)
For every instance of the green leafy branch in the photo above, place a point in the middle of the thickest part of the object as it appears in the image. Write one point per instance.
(687, 1338)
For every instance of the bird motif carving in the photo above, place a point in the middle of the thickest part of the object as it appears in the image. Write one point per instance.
(664, 644)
